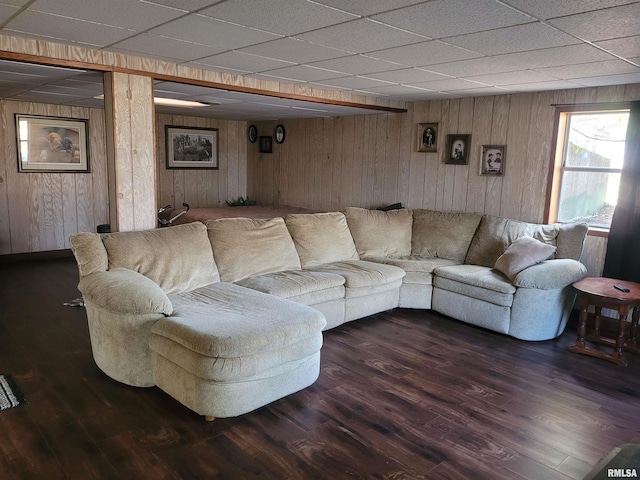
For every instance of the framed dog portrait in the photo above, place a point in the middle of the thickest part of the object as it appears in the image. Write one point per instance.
(51, 144)
(492, 158)
(427, 139)
(457, 149)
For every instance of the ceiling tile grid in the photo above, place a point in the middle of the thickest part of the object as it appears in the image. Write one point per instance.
(401, 49)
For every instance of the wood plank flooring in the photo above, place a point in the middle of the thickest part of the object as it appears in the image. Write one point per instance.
(401, 395)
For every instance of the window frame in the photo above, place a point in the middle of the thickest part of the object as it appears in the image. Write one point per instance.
(556, 167)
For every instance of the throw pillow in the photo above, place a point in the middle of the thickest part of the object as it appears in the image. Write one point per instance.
(523, 253)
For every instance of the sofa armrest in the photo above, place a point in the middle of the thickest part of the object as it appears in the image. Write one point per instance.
(124, 291)
(551, 274)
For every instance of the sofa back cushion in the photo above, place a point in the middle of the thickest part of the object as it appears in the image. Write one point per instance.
(380, 234)
(443, 234)
(179, 258)
(245, 247)
(570, 241)
(495, 234)
(89, 252)
(321, 238)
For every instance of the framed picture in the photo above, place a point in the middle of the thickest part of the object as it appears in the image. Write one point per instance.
(457, 149)
(266, 145)
(427, 139)
(280, 133)
(189, 147)
(253, 133)
(51, 144)
(492, 159)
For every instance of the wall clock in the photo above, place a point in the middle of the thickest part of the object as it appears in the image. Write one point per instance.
(253, 133)
(279, 133)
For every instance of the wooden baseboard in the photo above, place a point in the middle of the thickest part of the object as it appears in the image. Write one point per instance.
(35, 256)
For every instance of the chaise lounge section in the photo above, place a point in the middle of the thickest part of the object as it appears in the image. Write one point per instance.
(228, 316)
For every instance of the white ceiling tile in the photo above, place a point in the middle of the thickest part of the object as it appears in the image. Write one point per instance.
(6, 11)
(475, 92)
(474, 66)
(545, 9)
(398, 90)
(305, 74)
(361, 36)
(551, 57)
(609, 80)
(357, 64)
(367, 7)
(446, 18)
(243, 61)
(138, 16)
(16, 3)
(188, 5)
(292, 50)
(163, 47)
(198, 28)
(596, 69)
(53, 27)
(450, 85)
(513, 78)
(521, 38)
(542, 86)
(602, 24)
(355, 82)
(424, 54)
(287, 17)
(407, 75)
(624, 47)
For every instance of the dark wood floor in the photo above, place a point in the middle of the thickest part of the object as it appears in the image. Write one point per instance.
(403, 395)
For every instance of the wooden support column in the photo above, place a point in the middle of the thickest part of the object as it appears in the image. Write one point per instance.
(131, 151)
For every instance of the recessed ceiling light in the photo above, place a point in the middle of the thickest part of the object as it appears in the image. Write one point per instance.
(173, 102)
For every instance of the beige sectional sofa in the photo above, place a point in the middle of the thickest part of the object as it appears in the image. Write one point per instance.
(228, 316)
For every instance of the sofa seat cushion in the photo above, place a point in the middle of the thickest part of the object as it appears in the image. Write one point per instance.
(300, 286)
(482, 283)
(244, 247)
(364, 278)
(378, 233)
(418, 268)
(224, 332)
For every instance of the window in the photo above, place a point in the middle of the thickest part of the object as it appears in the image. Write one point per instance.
(588, 165)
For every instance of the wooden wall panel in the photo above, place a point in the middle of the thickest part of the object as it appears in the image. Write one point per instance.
(39, 211)
(376, 160)
(203, 188)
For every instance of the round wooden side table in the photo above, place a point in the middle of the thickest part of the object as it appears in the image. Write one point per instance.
(602, 293)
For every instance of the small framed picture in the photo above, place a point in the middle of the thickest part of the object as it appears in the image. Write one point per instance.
(457, 149)
(492, 159)
(52, 144)
(427, 139)
(280, 133)
(190, 147)
(266, 145)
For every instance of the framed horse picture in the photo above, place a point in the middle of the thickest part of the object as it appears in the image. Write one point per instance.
(192, 147)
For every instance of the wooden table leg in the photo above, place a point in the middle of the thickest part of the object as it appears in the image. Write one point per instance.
(596, 320)
(622, 336)
(580, 347)
(632, 344)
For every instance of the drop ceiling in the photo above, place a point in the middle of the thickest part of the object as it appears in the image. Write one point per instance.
(405, 50)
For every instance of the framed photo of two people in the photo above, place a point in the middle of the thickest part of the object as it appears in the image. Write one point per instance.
(492, 159)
